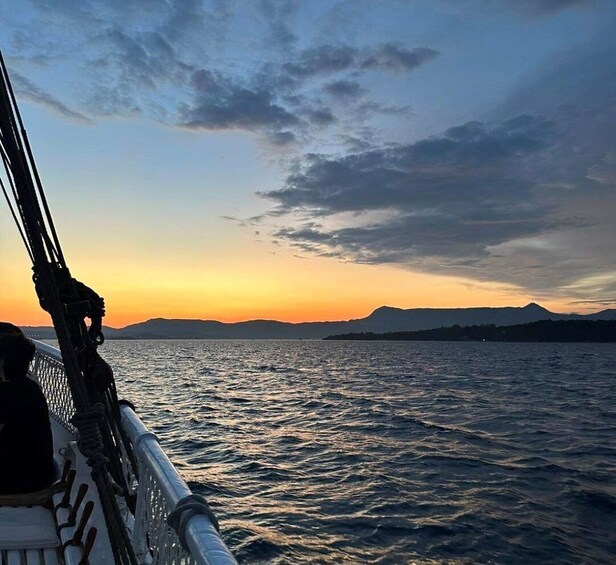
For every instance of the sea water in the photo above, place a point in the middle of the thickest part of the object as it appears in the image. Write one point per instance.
(389, 452)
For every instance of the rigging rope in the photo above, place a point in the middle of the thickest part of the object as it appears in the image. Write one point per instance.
(12, 209)
(69, 302)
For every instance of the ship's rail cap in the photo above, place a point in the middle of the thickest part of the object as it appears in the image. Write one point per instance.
(47, 349)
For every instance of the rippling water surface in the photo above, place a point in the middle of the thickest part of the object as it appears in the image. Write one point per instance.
(376, 452)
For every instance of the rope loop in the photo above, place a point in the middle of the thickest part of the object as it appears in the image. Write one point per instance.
(185, 509)
(90, 444)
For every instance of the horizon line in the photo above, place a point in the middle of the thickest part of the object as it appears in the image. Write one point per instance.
(532, 303)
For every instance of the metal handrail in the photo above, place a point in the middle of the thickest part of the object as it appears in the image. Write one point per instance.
(203, 540)
(48, 350)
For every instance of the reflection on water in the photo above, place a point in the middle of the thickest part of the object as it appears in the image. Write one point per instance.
(389, 452)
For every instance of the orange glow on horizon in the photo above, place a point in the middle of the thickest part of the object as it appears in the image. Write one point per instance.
(275, 287)
(31, 315)
(237, 279)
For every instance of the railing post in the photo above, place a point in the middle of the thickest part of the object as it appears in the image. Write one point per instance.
(140, 529)
(35, 369)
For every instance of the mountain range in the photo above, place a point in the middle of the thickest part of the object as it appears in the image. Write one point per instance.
(382, 320)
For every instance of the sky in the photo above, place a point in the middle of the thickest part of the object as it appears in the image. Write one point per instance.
(316, 160)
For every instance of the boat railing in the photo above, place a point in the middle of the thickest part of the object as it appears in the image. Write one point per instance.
(48, 370)
(159, 488)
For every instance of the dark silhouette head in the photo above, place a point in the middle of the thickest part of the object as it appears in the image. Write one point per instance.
(16, 354)
(7, 328)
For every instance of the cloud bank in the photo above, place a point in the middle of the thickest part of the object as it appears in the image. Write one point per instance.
(445, 198)
(526, 200)
(174, 62)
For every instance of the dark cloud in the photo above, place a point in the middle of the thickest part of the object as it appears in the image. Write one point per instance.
(527, 201)
(527, 8)
(327, 59)
(305, 235)
(358, 144)
(440, 242)
(245, 222)
(190, 23)
(277, 14)
(507, 202)
(28, 90)
(282, 138)
(544, 7)
(606, 301)
(324, 59)
(272, 101)
(469, 167)
(168, 60)
(343, 89)
(221, 104)
(321, 116)
(394, 57)
(128, 69)
(146, 59)
(448, 197)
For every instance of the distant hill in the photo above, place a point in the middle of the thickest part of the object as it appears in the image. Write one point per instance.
(596, 331)
(382, 320)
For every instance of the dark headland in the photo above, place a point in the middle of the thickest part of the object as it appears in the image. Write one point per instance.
(383, 320)
(599, 331)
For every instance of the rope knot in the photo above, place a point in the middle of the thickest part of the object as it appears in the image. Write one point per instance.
(89, 442)
(94, 414)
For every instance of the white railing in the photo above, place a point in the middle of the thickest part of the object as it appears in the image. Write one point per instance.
(48, 370)
(159, 488)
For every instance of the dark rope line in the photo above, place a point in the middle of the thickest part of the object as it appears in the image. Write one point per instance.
(56, 248)
(32, 164)
(20, 167)
(10, 148)
(18, 204)
(9, 176)
(21, 233)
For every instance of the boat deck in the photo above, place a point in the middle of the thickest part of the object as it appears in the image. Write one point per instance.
(55, 532)
(28, 536)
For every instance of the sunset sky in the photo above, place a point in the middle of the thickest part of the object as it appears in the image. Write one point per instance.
(316, 160)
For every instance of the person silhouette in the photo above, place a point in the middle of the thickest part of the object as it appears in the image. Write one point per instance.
(26, 444)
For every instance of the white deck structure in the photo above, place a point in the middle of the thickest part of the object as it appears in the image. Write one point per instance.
(58, 531)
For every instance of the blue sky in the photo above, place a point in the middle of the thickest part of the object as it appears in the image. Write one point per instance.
(470, 139)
